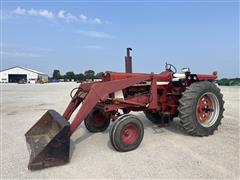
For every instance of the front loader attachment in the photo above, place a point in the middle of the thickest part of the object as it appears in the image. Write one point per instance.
(48, 141)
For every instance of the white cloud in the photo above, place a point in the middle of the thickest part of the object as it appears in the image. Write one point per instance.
(43, 13)
(98, 21)
(61, 15)
(46, 13)
(71, 18)
(19, 11)
(32, 12)
(67, 17)
(83, 17)
(95, 34)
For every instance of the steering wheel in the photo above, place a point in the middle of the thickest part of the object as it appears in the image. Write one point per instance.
(171, 68)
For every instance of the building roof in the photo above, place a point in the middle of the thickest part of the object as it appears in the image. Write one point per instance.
(28, 69)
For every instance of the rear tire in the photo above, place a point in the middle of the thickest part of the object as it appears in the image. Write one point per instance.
(96, 121)
(201, 108)
(127, 133)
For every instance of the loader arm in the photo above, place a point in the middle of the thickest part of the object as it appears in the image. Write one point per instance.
(98, 92)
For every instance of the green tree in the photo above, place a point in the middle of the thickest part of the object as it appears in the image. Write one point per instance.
(80, 77)
(229, 82)
(99, 75)
(70, 75)
(89, 74)
(56, 74)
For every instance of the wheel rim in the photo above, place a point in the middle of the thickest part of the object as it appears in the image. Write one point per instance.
(207, 109)
(98, 119)
(129, 133)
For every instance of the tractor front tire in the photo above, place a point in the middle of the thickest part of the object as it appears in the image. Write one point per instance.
(127, 133)
(201, 108)
(96, 121)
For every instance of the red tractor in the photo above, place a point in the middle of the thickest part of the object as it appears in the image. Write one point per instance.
(194, 98)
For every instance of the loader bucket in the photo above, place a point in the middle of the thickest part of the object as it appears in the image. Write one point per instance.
(48, 141)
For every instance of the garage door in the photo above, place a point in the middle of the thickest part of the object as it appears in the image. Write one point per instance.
(15, 78)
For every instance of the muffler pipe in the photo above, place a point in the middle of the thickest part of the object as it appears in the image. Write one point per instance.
(128, 61)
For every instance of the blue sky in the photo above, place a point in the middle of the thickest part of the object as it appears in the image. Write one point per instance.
(76, 36)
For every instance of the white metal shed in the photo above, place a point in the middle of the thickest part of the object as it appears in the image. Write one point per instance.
(17, 73)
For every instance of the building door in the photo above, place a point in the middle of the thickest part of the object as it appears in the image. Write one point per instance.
(15, 78)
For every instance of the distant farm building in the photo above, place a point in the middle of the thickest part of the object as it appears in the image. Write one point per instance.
(21, 74)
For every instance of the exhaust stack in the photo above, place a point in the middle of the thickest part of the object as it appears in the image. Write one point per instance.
(128, 61)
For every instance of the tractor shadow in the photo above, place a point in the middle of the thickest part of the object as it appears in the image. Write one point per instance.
(81, 138)
(84, 136)
(174, 126)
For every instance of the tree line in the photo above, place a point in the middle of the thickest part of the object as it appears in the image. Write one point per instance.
(70, 75)
(229, 82)
(90, 75)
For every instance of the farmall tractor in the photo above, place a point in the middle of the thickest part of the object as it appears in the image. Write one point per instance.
(194, 98)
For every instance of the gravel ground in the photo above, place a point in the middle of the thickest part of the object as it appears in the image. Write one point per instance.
(164, 152)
